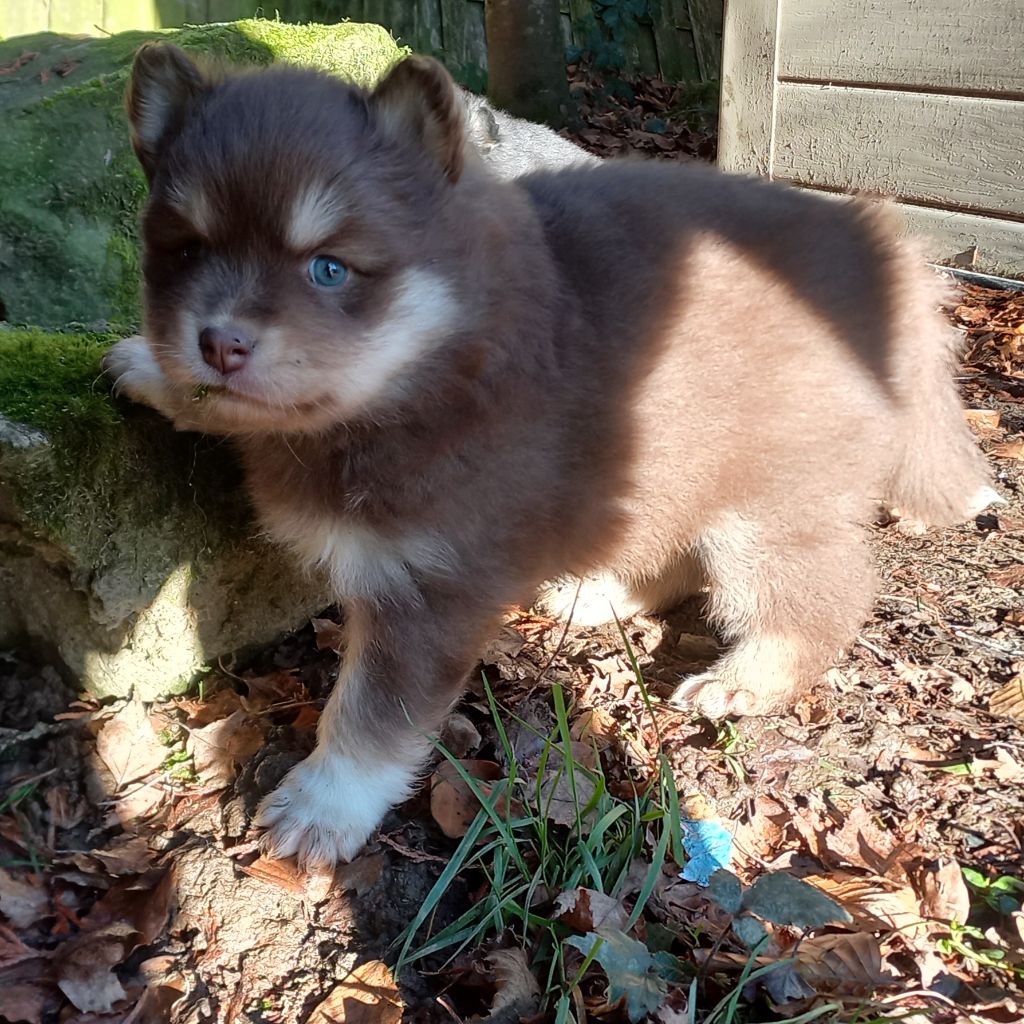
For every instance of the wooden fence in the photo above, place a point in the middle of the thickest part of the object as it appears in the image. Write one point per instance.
(680, 40)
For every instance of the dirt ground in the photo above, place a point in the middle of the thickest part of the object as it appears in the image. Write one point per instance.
(132, 889)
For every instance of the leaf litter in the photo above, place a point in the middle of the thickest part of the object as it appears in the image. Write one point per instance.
(874, 835)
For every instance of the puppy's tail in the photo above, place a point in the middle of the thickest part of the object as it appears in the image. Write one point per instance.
(939, 476)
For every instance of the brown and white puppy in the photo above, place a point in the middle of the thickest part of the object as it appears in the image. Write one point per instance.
(446, 389)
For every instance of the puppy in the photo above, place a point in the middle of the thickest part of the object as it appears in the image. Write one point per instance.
(511, 146)
(446, 389)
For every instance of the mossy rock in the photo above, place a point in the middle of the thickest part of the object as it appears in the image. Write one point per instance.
(126, 549)
(70, 187)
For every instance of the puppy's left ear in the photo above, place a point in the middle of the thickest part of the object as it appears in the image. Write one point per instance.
(163, 82)
(419, 101)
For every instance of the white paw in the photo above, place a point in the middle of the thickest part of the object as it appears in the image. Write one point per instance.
(716, 697)
(593, 601)
(757, 677)
(328, 806)
(136, 372)
(982, 499)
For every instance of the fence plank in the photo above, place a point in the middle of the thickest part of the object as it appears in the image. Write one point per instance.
(232, 10)
(76, 16)
(946, 43)
(706, 40)
(24, 18)
(465, 42)
(175, 13)
(946, 233)
(961, 151)
(677, 55)
(748, 83)
(130, 14)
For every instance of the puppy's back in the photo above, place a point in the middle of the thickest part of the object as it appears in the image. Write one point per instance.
(782, 315)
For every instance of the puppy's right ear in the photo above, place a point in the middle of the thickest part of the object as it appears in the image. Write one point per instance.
(162, 85)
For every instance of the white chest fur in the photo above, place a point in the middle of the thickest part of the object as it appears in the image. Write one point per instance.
(360, 561)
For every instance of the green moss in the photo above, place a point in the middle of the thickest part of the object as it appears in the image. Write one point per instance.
(53, 382)
(72, 189)
(115, 483)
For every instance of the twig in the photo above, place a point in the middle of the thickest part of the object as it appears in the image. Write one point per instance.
(418, 856)
(885, 659)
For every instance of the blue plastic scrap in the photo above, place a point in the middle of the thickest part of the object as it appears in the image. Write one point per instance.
(708, 846)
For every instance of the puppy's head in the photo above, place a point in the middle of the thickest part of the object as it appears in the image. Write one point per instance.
(298, 259)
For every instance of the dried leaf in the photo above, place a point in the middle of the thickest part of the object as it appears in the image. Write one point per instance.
(330, 635)
(1012, 576)
(127, 855)
(452, 803)
(361, 874)
(281, 873)
(565, 791)
(460, 737)
(517, 993)
(1008, 700)
(943, 891)
(845, 964)
(23, 901)
(874, 903)
(1007, 768)
(25, 1003)
(982, 419)
(13, 950)
(128, 744)
(862, 843)
(84, 972)
(219, 747)
(588, 910)
(1012, 449)
(368, 995)
(634, 973)
(142, 903)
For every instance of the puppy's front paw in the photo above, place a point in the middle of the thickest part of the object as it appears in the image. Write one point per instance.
(136, 373)
(327, 807)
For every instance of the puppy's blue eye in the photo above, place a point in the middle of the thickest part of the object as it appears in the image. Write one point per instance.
(327, 271)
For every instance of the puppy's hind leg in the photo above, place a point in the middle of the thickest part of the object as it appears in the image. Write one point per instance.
(786, 597)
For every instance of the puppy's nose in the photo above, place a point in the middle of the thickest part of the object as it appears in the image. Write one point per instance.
(225, 348)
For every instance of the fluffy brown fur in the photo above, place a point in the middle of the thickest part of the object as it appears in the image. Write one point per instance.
(650, 377)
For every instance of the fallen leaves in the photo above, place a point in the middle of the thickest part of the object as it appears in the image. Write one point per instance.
(218, 748)
(128, 744)
(367, 995)
(452, 802)
(993, 320)
(588, 910)
(85, 968)
(517, 993)
(1008, 700)
(23, 900)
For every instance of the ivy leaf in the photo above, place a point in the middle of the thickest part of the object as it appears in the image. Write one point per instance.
(783, 899)
(748, 930)
(725, 889)
(633, 972)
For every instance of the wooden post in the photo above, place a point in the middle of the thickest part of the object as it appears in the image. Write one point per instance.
(526, 59)
(749, 58)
